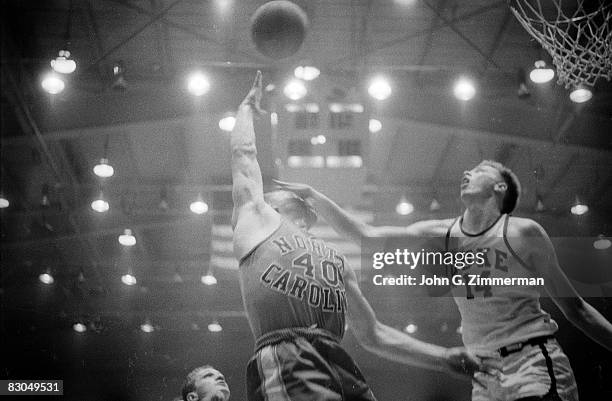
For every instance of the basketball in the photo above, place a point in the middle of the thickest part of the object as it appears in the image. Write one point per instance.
(278, 29)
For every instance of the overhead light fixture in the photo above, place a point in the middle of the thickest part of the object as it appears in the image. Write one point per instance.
(404, 207)
(100, 205)
(379, 88)
(270, 87)
(103, 169)
(580, 94)
(127, 238)
(199, 206)
(214, 327)
(540, 207)
(63, 64)
(541, 73)
(119, 82)
(579, 208)
(208, 279)
(374, 125)
(4, 202)
(198, 84)
(79, 327)
(311, 107)
(46, 278)
(411, 328)
(147, 327)
(464, 89)
(53, 83)
(306, 72)
(128, 279)
(227, 122)
(295, 89)
(434, 206)
(602, 243)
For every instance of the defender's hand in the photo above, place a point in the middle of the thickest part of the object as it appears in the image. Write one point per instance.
(302, 190)
(253, 98)
(461, 362)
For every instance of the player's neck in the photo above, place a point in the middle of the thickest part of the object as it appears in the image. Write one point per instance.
(480, 216)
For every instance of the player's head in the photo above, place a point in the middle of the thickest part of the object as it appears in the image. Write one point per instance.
(292, 207)
(205, 383)
(490, 178)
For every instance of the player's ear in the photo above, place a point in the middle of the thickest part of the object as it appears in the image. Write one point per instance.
(500, 187)
(192, 396)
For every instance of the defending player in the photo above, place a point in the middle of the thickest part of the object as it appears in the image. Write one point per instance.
(296, 290)
(205, 383)
(508, 320)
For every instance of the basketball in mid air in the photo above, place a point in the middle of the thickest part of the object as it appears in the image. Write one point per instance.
(278, 29)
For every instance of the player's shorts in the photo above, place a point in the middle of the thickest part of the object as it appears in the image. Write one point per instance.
(304, 365)
(535, 372)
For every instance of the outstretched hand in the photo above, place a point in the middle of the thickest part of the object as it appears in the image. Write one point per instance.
(461, 362)
(253, 98)
(302, 190)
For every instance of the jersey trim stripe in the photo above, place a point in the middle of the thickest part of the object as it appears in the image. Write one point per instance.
(514, 254)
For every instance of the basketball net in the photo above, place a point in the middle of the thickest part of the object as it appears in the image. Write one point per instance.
(577, 35)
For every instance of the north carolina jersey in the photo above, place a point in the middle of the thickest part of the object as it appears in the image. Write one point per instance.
(293, 280)
(495, 316)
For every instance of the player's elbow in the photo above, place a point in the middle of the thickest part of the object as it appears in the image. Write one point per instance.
(370, 337)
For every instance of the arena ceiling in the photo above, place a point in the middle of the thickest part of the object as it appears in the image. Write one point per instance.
(165, 146)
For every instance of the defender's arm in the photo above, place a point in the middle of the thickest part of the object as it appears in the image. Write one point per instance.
(575, 309)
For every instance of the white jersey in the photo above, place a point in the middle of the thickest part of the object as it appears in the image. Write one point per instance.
(496, 316)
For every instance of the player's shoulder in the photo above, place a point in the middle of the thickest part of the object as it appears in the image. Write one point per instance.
(522, 226)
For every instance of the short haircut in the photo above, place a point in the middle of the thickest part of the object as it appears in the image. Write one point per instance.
(513, 193)
(283, 197)
(189, 384)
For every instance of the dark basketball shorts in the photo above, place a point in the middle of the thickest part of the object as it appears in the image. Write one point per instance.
(300, 367)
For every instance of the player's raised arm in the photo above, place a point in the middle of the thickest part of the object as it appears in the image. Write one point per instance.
(395, 345)
(247, 184)
(350, 227)
(544, 259)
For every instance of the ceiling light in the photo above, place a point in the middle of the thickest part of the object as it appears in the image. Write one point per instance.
(375, 125)
(579, 208)
(404, 207)
(63, 64)
(199, 206)
(214, 327)
(4, 202)
(227, 123)
(336, 108)
(321, 139)
(541, 74)
(411, 328)
(540, 206)
(270, 87)
(274, 118)
(602, 243)
(434, 206)
(198, 84)
(464, 89)
(46, 278)
(127, 238)
(53, 83)
(128, 279)
(356, 107)
(295, 89)
(306, 72)
(208, 279)
(147, 327)
(103, 169)
(379, 88)
(311, 107)
(79, 327)
(100, 205)
(580, 94)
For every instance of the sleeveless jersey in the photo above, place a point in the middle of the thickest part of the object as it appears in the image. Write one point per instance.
(496, 316)
(292, 279)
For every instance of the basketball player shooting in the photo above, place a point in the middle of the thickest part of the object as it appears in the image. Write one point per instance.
(296, 291)
(505, 320)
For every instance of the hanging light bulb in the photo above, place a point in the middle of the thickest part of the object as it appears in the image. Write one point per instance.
(580, 94)
(103, 169)
(208, 278)
(4, 202)
(100, 205)
(434, 205)
(147, 327)
(46, 278)
(579, 208)
(379, 88)
(128, 279)
(541, 74)
(53, 83)
(79, 327)
(199, 206)
(374, 125)
(602, 243)
(295, 89)
(306, 72)
(63, 64)
(404, 207)
(214, 327)
(411, 328)
(228, 122)
(198, 84)
(464, 89)
(127, 238)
